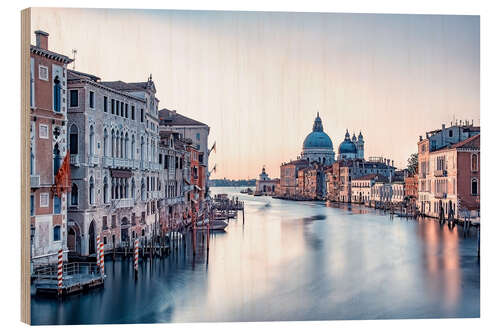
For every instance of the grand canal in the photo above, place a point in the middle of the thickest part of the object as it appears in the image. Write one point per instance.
(290, 261)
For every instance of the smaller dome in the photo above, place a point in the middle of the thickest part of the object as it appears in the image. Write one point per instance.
(347, 146)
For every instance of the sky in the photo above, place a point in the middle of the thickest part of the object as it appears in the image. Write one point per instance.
(259, 78)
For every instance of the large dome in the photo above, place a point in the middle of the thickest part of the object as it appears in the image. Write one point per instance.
(317, 138)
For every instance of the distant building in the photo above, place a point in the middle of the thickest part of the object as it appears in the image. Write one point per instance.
(361, 187)
(266, 185)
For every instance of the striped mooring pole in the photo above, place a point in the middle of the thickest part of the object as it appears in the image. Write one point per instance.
(136, 256)
(60, 271)
(101, 255)
(98, 251)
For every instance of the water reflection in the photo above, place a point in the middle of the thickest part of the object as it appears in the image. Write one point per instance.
(290, 261)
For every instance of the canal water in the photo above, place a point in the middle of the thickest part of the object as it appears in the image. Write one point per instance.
(290, 261)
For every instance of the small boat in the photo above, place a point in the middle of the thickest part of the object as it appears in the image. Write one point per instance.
(216, 225)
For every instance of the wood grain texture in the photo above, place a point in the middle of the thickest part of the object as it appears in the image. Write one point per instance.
(25, 218)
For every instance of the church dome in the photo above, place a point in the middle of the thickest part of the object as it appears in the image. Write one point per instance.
(347, 146)
(317, 138)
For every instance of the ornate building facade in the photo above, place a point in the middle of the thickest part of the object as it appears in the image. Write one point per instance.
(318, 146)
(48, 150)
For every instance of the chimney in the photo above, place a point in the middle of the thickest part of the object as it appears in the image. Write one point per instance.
(443, 126)
(393, 163)
(420, 138)
(42, 39)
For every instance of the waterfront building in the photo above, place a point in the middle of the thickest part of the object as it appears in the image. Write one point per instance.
(397, 192)
(411, 189)
(288, 177)
(339, 178)
(314, 183)
(266, 185)
(362, 186)
(449, 173)
(318, 146)
(113, 139)
(49, 164)
(175, 180)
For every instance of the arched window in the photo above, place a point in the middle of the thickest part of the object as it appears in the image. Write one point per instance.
(105, 190)
(57, 204)
(127, 153)
(74, 195)
(143, 190)
(142, 148)
(474, 162)
(474, 187)
(57, 94)
(132, 148)
(91, 140)
(113, 148)
(105, 143)
(91, 190)
(73, 139)
(57, 158)
(57, 233)
(132, 194)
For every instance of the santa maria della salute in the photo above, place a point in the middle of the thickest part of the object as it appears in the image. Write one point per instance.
(318, 146)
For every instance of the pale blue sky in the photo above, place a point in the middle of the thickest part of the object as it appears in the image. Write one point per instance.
(258, 78)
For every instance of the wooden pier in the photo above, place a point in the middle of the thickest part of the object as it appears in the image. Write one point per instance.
(77, 276)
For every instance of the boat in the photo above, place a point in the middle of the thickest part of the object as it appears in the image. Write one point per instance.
(216, 225)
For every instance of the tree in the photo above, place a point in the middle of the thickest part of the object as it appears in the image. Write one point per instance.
(413, 164)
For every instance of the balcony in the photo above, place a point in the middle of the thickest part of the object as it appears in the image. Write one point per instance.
(440, 173)
(93, 160)
(136, 164)
(107, 162)
(74, 159)
(144, 165)
(35, 180)
(440, 195)
(123, 203)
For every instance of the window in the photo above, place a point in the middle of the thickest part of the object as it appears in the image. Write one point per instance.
(126, 111)
(474, 162)
(32, 205)
(56, 158)
(112, 106)
(105, 240)
(450, 133)
(198, 136)
(121, 109)
(57, 94)
(133, 112)
(91, 190)
(44, 200)
(74, 195)
(43, 73)
(73, 98)
(43, 131)
(474, 187)
(57, 233)
(73, 139)
(32, 82)
(105, 190)
(105, 104)
(57, 205)
(142, 115)
(91, 141)
(104, 223)
(91, 99)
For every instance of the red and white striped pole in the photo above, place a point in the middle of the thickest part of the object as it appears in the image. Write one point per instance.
(97, 252)
(136, 256)
(59, 271)
(101, 255)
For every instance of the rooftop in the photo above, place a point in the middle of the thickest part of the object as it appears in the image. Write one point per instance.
(172, 118)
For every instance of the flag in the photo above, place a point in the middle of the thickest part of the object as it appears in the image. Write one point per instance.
(61, 180)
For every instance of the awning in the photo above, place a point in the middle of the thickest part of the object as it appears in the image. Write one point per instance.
(121, 173)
